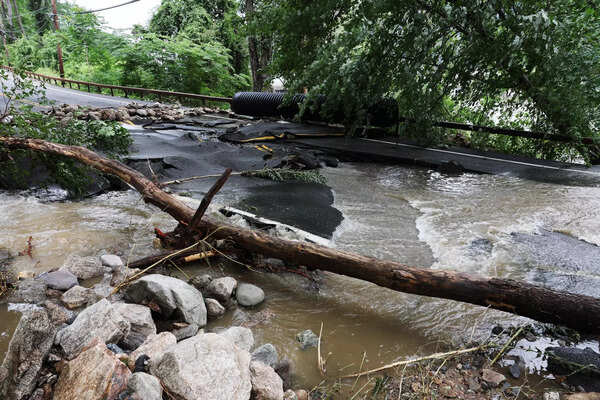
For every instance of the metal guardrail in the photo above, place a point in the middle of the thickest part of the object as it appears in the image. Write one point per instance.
(125, 89)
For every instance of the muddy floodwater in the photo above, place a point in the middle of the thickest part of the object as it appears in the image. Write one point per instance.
(492, 225)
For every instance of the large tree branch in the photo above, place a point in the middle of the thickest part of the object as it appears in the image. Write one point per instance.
(546, 305)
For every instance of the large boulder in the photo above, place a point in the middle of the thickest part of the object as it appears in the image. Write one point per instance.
(240, 336)
(143, 386)
(78, 296)
(27, 351)
(174, 297)
(59, 280)
(266, 384)
(58, 314)
(141, 323)
(100, 320)
(29, 291)
(96, 374)
(207, 367)
(112, 261)
(153, 347)
(84, 267)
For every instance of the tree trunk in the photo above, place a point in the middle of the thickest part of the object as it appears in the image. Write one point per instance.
(18, 15)
(260, 50)
(575, 311)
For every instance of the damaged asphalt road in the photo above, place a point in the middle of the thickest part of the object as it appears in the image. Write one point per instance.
(189, 148)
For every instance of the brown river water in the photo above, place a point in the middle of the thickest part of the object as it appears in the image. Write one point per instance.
(412, 215)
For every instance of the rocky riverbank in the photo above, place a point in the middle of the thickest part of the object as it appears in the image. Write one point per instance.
(143, 342)
(77, 338)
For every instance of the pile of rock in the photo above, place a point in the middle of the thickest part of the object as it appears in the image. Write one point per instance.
(77, 342)
(130, 112)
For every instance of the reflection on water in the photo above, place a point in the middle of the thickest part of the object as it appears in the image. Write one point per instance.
(411, 215)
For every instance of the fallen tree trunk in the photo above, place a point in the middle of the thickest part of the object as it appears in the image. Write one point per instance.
(575, 311)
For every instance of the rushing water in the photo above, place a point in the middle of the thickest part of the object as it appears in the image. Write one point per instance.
(412, 215)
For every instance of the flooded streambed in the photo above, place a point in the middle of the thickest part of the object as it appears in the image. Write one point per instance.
(490, 225)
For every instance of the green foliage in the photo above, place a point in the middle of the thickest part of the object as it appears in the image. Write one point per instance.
(532, 64)
(286, 174)
(180, 65)
(203, 21)
(186, 49)
(22, 121)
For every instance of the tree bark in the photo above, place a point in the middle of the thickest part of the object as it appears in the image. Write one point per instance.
(260, 50)
(18, 14)
(575, 311)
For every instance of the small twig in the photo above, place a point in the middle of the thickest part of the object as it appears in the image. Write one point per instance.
(506, 346)
(361, 389)
(320, 362)
(166, 391)
(200, 256)
(193, 178)
(429, 357)
(360, 368)
(167, 257)
(180, 270)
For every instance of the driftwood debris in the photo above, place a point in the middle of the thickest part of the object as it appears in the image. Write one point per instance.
(575, 311)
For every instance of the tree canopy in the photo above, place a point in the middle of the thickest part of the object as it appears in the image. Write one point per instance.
(534, 64)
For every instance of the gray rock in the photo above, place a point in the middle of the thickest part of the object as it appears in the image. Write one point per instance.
(102, 290)
(515, 370)
(84, 267)
(307, 339)
(31, 291)
(28, 348)
(141, 323)
(214, 309)
(201, 282)
(207, 367)
(240, 336)
(120, 274)
(58, 314)
(112, 261)
(100, 320)
(266, 354)
(59, 280)
(184, 333)
(174, 297)
(78, 296)
(266, 384)
(142, 386)
(154, 348)
(249, 295)
(221, 289)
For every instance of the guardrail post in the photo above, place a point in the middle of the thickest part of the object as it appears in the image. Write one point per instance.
(88, 88)
(126, 95)
(111, 92)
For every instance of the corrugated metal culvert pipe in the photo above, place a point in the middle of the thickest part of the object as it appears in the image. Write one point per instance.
(265, 104)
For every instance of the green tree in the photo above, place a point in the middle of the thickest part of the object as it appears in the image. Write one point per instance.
(181, 65)
(204, 21)
(530, 63)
